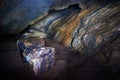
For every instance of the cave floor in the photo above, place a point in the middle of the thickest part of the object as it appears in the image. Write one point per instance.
(69, 65)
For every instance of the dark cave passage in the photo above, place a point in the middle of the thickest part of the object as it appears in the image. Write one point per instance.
(83, 37)
(69, 65)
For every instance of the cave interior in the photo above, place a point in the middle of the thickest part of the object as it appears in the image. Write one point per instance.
(84, 33)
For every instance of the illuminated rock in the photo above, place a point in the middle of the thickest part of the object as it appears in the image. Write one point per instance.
(33, 52)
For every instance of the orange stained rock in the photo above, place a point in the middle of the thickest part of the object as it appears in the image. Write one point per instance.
(98, 39)
(73, 24)
(61, 30)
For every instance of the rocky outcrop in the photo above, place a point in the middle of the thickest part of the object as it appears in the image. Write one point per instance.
(96, 28)
(74, 27)
(54, 19)
(16, 15)
(91, 27)
(93, 31)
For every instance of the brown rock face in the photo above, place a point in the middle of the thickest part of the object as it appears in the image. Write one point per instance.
(91, 29)
(16, 15)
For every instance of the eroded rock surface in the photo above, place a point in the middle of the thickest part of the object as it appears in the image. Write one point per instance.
(16, 15)
(91, 27)
(93, 31)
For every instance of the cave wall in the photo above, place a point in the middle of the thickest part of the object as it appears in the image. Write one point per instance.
(16, 15)
(93, 31)
(82, 28)
(91, 27)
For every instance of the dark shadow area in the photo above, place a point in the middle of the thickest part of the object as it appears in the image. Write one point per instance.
(69, 65)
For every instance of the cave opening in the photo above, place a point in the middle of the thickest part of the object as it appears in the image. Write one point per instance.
(86, 40)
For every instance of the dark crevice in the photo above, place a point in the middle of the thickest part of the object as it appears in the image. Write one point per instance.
(75, 6)
(68, 12)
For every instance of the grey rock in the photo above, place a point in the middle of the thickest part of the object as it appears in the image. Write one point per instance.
(46, 23)
(16, 15)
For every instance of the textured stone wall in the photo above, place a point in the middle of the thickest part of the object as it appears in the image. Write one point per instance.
(16, 15)
(93, 31)
(81, 28)
(91, 27)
